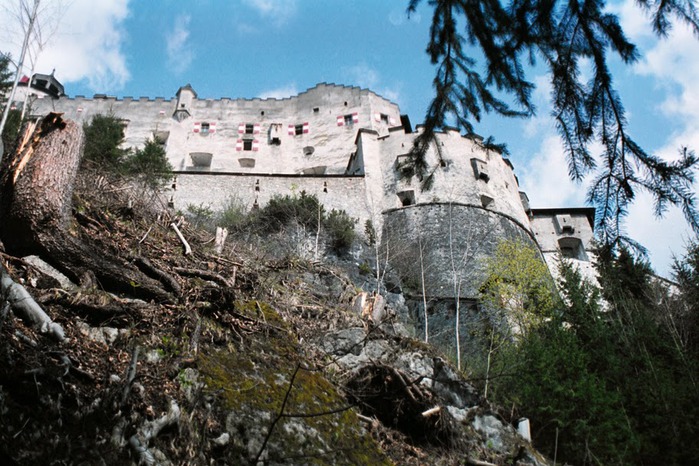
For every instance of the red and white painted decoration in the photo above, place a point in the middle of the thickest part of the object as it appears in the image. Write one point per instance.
(197, 127)
(292, 129)
(240, 144)
(341, 119)
(391, 120)
(255, 128)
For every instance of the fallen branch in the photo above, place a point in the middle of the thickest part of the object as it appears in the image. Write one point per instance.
(205, 274)
(130, 374)
(431, 411)
(148, 268)
(280, 415)
(139, 441)
(475, 462)
(27, 309)
(145, 236)
(187, 248)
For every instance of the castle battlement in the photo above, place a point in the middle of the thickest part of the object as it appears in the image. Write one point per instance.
(344, 144)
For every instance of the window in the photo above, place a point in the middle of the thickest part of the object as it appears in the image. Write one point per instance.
(480, 169)
(246, 130)
(406, 198)
(572, 248)
(384, 118)
(247, 145)
(204, 129)
(348, 120)
(275, 134)
(298, 129)
(201, 159)
(401, 160)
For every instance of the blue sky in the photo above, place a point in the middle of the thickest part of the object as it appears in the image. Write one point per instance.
(277, 48)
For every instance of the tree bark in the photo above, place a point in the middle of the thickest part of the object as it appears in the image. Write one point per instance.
(36, 184)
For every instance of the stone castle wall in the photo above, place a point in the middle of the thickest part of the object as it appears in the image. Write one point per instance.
(345, 144)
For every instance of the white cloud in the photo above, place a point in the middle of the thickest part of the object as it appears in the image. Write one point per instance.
(278, 12)
(365, 76)
(673, 66)
(86, 44)
(179, 51)
(545, 177)
(283, 92)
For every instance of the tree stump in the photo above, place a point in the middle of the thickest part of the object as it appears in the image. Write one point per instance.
(36, 188)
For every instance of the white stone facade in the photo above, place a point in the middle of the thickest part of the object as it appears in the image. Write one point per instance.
(342, 144)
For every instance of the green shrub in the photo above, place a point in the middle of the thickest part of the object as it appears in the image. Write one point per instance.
(370, 232)
(282, 211)
(340, 228)
(150, 165)
(11, 130)
(104, 135)
(200, 215)
(234, 215)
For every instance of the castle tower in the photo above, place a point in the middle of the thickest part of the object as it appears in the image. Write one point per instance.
(185, 97)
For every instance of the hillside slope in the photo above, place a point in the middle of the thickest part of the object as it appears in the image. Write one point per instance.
(259, 361)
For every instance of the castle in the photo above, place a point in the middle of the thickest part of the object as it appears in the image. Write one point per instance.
(344, 145)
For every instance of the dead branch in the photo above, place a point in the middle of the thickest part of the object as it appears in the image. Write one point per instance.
(431, 411)
(185, 244)
(139, 441)
(280, 415)
(166, 279)
(205, 274)
(475, 462)
(27, 309)
(145, 236)
(130, 374)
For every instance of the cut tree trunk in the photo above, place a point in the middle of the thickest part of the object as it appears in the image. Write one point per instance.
(36, 184)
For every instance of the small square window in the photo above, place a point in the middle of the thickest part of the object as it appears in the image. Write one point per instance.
(249, 128)
(384, 118)
(298, 130)
(205, 127)
(247, 144)
(349, 120)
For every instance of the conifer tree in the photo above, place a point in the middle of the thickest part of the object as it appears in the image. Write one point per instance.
(481, 50)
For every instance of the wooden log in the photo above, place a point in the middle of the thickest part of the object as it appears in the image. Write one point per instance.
(36, 189)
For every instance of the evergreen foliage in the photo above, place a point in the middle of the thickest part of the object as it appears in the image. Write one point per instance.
(150, 165)
(607, 381)
(340, 228)
(481, 50)
(6, 76)
(104, 135)
(13, 124)
(281, 211)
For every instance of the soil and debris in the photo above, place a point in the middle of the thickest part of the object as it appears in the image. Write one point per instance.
(257, 360)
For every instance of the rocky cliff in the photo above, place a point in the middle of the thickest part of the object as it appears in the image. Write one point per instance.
(259, 361)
